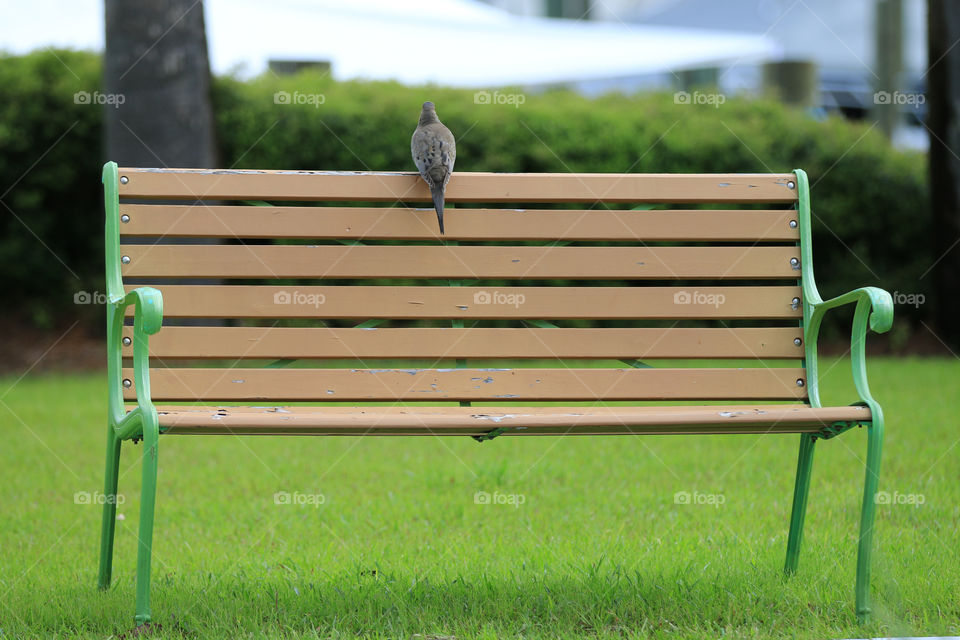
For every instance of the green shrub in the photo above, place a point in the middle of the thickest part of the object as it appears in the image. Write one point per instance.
(51, 227)
(871, 218)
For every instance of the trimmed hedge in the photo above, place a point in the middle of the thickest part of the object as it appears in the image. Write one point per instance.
(871, 218)
(51, 207)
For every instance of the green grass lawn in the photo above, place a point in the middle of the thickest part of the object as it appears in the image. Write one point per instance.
(398, 547)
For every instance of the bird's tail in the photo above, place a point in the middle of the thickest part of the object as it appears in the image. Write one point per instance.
(437, 193)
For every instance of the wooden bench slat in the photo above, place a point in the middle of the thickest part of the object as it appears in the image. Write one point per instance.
(327, 261)
(264, 301)
(218, 384)
(477, 421)
(235, 184)
(174, 221)
(290, 342)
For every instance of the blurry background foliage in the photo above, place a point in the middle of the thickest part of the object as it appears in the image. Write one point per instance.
(871, 216)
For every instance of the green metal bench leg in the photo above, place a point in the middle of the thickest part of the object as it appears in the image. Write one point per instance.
(874, 449)
(109, 523)
(148, 498)
(800, 491)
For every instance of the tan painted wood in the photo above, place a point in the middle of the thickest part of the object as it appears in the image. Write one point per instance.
(288, 342)
(515, 420)
(248, 301)
(473, 384)
(232, 184)
(175, 221)
(327, 261)
(540, 431)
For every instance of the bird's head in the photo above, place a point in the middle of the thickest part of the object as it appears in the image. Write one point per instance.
(429, 113)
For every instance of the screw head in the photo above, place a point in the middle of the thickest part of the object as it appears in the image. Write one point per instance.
(124, 218)
(124, 179)
(793, 224)
(126, 383)
(796, 341)
(126, 342)
(790, 185)
(794, 262)
(125, 259)
(799, 382)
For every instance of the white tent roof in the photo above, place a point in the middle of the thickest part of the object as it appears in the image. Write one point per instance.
(448, 42)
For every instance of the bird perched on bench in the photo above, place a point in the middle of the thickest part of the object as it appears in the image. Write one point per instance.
(434, 151)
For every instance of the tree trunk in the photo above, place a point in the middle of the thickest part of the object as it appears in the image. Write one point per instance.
(156, 58)
(943, 95)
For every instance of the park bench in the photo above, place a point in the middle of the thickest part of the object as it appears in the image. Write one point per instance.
(705, 320)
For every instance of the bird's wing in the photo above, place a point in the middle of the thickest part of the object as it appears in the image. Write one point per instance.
(420, 146)
(434, 152)
(447, 148)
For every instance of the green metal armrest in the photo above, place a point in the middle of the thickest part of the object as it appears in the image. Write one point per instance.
(147, 319)
(874, 311)
(881, 306)
(148, 303)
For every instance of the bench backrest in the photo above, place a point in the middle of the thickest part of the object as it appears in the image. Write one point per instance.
(326, 285)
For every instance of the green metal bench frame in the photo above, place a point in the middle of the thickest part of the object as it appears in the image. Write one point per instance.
(874, 311)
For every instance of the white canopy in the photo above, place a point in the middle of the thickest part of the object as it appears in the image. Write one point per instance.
(448, 42)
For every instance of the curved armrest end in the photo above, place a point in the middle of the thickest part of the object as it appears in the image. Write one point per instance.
(149, 307)
(881, 311)
(881, 306)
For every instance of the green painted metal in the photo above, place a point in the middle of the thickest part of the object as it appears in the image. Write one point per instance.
(282, 363)
(141, 423)
(874, 311)
(637, 364)
(490, 435)
(835, 429)
(800, 491)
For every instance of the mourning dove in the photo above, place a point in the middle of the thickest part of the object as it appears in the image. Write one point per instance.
(434, 151)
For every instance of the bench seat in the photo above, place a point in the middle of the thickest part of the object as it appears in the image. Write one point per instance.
(481, 421)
